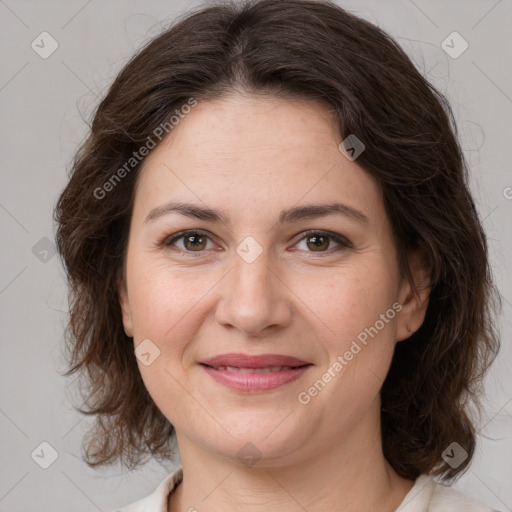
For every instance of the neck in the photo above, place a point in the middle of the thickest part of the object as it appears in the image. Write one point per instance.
(349, 470)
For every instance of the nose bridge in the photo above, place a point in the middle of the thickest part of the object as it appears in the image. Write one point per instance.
(252, 278)
(254, 298)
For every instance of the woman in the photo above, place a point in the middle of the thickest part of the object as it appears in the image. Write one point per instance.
(274, 259)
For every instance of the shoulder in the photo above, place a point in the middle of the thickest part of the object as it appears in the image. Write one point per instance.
(427, 495)
(157, 500)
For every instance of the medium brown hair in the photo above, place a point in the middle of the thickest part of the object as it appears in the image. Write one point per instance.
(293, 49)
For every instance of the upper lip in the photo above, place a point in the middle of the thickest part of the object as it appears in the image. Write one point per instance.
(253, 361)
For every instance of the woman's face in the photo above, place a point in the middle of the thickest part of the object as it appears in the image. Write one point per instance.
(255, 282)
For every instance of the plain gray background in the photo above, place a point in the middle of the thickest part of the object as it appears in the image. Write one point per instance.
(43, 102)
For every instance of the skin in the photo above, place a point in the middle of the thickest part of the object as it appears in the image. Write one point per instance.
(251, 157)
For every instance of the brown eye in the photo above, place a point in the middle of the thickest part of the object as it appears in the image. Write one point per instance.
(193, 241)
(319, 242)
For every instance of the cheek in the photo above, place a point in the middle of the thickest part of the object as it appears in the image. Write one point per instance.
(166, 310)
(169, 308)
(348, 301)
(354, 316)
(164, 299)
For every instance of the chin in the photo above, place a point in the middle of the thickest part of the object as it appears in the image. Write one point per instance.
(256, 440)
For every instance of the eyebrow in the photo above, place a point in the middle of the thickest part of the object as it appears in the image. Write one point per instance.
(286, 216)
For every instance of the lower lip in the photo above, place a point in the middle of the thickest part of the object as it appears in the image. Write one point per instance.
(255, 381)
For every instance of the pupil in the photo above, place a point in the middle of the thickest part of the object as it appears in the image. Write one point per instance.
(192, 237)
(316, 240)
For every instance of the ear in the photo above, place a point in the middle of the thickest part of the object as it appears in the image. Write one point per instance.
(414, 297)
(126, 310)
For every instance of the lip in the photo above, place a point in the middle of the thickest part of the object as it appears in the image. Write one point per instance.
(238, 376)
(253, 361)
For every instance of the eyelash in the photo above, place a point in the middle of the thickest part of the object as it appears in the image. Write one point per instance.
(342, 241)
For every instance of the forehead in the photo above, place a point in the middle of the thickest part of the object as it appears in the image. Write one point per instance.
(244, 127)
(254, 148)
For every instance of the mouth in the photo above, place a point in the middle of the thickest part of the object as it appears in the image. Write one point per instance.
(254, 373)
(271, 369)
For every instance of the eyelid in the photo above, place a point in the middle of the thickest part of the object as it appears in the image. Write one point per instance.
(341, 240)
(168, 240)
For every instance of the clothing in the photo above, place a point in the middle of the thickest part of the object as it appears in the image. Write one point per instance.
(425, 496)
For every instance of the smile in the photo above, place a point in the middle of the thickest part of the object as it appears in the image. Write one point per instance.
(253, 373)
(271, 369)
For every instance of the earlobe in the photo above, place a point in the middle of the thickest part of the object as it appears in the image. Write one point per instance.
(414, 297)
(125, 310)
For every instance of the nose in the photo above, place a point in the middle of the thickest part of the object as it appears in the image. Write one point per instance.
(255, 298)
